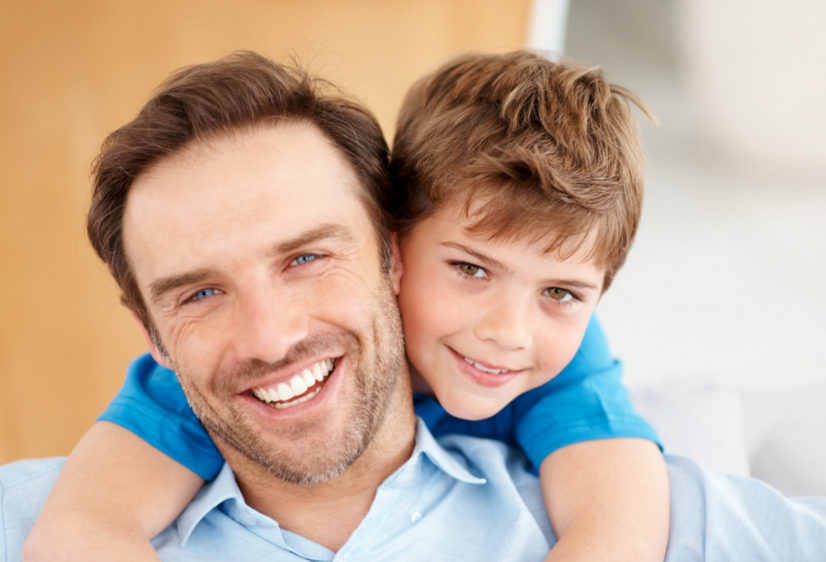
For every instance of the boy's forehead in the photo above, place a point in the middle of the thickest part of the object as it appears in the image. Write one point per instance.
(472, 215)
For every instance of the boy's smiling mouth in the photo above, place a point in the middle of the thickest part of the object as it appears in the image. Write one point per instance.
(485, 369)
(300, 388)
(484, 374)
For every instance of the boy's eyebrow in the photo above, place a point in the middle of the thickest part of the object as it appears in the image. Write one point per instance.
(489, 261)
(572, 283)
(159, 287)
(486, 260)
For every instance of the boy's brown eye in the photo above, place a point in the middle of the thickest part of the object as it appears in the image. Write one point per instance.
(469, 269)
(558, 294)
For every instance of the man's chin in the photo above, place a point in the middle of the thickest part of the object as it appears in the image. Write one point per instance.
(307, 452)
(299, 461)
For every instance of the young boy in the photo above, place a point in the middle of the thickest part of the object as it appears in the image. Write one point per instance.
(518, 194)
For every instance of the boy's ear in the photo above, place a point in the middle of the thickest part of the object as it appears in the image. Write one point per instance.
(159, 357)
(397, 267)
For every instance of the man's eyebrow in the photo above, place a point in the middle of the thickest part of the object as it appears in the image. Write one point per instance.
(159, 287)
(485, 260)
(323, 232)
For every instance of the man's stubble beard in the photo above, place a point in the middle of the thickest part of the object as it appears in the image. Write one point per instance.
(375, 368)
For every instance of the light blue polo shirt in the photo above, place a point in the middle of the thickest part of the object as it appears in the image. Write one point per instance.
(474, 489)
(456, 499)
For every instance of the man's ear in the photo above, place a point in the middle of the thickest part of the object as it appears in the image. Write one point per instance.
(398, 267)
(159, 357)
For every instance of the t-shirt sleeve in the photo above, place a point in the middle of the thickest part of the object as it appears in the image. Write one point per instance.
(439, 422)
(152, 405)
(585, 402)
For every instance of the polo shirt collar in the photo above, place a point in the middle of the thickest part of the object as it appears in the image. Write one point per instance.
(450, 464)
(212, 494)
(224, 487)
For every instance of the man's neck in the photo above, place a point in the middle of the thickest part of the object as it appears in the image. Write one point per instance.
(329, 512)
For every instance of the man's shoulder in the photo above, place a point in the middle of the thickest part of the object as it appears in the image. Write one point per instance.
(481, 455)
(32, 472)
(24, 487)
(504, 468)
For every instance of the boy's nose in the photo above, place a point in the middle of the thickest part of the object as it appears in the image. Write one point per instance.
(507, 324)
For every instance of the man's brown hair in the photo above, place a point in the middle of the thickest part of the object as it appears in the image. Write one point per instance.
(551, 150)
(203, 101)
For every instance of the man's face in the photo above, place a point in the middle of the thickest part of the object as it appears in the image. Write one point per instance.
(486, 321)
(260, 269)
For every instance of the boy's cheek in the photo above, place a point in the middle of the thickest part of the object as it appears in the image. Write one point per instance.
(568, 339)
(426, 321)
(426, 302)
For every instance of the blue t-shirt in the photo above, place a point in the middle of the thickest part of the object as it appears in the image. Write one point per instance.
(586, 401)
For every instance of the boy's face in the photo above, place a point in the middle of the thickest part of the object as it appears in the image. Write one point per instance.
(486, 321)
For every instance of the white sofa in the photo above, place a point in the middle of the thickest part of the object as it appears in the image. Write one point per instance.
(775, 434)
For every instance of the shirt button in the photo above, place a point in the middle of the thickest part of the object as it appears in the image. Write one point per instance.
(415, 517)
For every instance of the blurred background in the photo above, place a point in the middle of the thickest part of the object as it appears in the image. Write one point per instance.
(727, 277)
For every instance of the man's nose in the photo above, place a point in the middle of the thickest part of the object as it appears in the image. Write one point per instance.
(269, 323)
(507, 323)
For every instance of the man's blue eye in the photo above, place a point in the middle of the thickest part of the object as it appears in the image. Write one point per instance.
(204, 293)
(301, 260)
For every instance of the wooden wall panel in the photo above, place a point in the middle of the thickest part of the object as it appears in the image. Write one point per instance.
(72, 71)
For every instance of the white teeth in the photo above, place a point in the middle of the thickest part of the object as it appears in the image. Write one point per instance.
(282, 405)
(318, 371)
(485, 369)
(297, 385)
(284, 391)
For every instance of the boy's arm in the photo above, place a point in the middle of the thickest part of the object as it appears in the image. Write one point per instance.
(608, 500)
(114, 494)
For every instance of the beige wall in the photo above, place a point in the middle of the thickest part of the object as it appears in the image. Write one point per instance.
(70, 72)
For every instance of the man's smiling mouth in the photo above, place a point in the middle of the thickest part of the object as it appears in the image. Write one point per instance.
(299, 388)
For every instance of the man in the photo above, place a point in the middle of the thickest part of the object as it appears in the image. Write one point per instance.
(250, 243)
(246, 233)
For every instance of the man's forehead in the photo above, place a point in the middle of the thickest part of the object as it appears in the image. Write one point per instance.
(282, 163)
(261, 185)
(284, 147)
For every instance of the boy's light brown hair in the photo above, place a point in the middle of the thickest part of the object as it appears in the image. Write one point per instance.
(551, 149)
